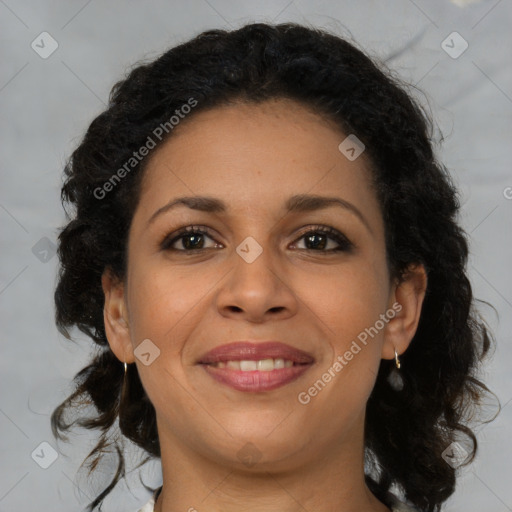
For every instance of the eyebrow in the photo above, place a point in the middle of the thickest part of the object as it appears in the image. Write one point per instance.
(296, 203)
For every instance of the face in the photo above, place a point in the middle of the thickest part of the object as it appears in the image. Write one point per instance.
(260, 260)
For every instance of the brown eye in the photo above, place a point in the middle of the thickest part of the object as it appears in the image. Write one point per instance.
(325, 239)
(191, 238)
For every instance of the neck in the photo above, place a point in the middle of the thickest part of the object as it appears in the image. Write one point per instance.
(331, 483)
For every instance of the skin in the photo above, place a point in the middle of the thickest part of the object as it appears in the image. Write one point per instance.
(254, 157)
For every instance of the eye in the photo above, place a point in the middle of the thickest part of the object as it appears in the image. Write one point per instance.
(189, 239)
(318, 239)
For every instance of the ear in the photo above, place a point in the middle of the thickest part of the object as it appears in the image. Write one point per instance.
(406, 300)
(115, 317)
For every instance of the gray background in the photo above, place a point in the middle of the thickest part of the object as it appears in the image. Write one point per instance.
(46, 105)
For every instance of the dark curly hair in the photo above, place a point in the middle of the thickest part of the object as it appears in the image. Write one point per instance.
(406, 431)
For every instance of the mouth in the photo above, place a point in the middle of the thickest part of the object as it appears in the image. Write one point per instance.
(256, 367)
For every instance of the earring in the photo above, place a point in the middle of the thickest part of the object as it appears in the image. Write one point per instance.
(123, 386)
(397, 361)
(396, 380)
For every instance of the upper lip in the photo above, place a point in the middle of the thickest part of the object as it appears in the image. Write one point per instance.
(255, 351)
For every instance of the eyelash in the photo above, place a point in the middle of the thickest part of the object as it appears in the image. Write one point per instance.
(344, 244)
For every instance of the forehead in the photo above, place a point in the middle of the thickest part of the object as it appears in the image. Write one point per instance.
(255, 154)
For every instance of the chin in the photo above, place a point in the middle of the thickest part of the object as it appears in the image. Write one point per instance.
(262, 452)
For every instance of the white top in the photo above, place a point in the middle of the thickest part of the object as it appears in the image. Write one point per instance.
(149, 506)
(395, 504)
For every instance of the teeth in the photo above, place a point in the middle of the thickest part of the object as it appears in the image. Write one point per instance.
(264, 365)
(248, 366)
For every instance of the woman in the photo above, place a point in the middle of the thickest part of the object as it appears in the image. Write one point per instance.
(265, 250)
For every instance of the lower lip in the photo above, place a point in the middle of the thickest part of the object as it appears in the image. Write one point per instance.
(254, 381)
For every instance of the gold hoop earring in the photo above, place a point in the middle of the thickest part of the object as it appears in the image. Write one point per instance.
(397, 361)
(395, 378)
(124, 386)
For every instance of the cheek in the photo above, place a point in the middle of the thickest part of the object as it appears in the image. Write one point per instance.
(348, 300)
(160, 301)
(357, 299)
(164, 306)
(348, 310)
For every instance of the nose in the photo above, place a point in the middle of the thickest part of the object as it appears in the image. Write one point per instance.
(257, 290)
